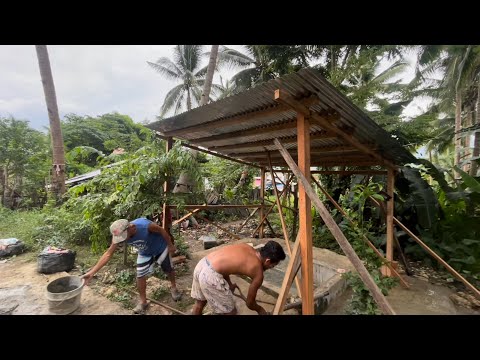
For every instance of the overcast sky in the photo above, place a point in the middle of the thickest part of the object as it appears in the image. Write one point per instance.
(89, 80)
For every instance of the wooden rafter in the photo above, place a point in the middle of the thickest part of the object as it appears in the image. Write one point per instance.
(320, 151)
(324, 135)
(266, 129)
(326, 123)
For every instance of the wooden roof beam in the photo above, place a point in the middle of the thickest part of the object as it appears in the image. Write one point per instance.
(285, 125)
(285, 140)
(314, 150)
(326, 123)
(220, 155)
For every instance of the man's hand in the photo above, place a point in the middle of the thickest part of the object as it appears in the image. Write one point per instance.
(234, 286)
(262, 311)
(87, 277)
(171, 249)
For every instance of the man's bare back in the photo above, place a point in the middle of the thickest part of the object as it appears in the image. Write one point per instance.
(238, 259)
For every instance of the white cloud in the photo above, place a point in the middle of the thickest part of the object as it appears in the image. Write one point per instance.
(89, 80)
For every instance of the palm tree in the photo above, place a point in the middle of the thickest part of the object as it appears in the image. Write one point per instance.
(186, 68)
(460, 65)
(58, 173)
(212, 64)
(256, 63)
(225, 89)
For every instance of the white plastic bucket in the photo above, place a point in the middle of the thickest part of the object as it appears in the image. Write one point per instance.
(64, 294)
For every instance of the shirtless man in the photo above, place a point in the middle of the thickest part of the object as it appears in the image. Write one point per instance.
(211, 278)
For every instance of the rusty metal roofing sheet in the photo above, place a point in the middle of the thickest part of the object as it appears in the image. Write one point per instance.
(249, 114)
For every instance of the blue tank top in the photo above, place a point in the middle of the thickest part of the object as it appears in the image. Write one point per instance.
(147, 243)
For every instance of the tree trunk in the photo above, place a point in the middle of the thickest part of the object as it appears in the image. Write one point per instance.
(209, 77)
(458, 126)
(189, 100)
(476, 141)
(466, 141)
(4, 179)
(58, 171)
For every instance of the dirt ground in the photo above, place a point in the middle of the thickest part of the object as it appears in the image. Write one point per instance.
(112, 291)
(23, 292)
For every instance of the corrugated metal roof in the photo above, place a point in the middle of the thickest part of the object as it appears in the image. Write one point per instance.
(248, 122)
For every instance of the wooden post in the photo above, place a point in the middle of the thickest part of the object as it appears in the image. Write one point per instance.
(338, 235)
(290, 273)
(262, 195)
(282, 220)
(166, 189)
(389, 222)
(305, 215)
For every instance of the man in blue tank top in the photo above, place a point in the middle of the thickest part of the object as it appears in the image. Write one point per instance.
(154, 245)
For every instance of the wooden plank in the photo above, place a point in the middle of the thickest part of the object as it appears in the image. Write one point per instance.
(290, 272)
(238, 119)
(160, 303)
(325, 123)
(267, 129)
(337, 233)
(369, 243)
(219, 155)
(185, 216)
(284, 206)
(305, 215)
(212, 207)
(345, 172)
(262, 143)
(270, 227)
(166, 189)
(325, 151)
(262, 197)
(245, 222)
(221, 228)
(318, 162)
(349, 172)
(389, 222)
(178, 259)
(282, 220)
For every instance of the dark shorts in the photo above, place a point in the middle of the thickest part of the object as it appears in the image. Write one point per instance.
(145, 264)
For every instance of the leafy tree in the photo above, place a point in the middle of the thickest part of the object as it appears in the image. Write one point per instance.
(185, 68)
(24, 163)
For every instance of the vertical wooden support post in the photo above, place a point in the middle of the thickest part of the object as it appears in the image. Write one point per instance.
(390, 204)
(166, 189)
(262, 199)
(305, 215)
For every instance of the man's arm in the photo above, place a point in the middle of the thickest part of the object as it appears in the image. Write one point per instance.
(257, 281)
(101, 263)
(232, 285)
(154, 228)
